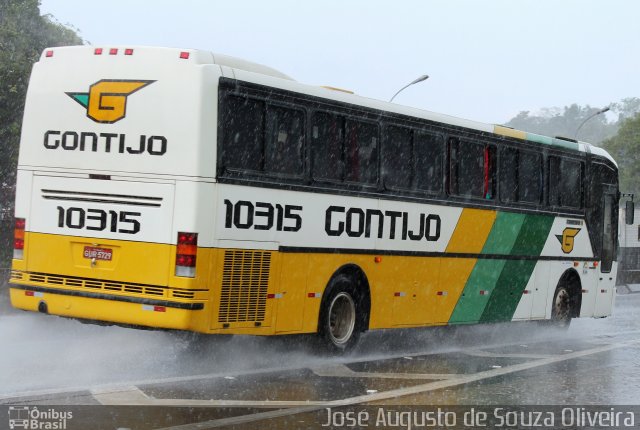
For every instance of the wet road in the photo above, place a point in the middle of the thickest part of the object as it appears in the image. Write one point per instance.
(53, 361)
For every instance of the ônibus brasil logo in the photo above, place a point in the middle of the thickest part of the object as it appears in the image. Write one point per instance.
(106, 101)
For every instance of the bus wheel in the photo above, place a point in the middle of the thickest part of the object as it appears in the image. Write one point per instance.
(562, 310)
(339, 327)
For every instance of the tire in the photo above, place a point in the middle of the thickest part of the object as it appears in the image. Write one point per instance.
(340, 322)
(562, 307)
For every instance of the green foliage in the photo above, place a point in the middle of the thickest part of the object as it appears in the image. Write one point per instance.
(625, 149)
(566, 121)
(24, 34)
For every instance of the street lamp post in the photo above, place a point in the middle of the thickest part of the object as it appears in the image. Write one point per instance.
(603, 110)
(420, 79)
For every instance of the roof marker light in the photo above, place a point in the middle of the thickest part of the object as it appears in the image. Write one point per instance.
(97, 51)
(113, 51)
(128, 51)
(49, 54)
(184, 55)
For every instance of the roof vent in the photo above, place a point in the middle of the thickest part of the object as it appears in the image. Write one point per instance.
(568, 139)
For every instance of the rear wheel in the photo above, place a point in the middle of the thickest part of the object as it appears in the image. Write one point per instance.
(340, 326)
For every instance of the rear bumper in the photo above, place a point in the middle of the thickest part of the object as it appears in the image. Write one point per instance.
(115, 309)
(114, 302)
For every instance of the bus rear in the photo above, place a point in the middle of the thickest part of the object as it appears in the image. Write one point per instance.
(116, 160)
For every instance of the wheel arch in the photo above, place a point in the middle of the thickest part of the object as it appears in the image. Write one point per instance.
(362, 288)
(571, 279)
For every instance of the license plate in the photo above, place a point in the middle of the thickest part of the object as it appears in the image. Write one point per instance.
(92, 252)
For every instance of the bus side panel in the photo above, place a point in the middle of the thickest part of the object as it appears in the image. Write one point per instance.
(486, 272)
(589, 283)
(293, 287)
(516, 274)
(541, 291)
(605, 292)
(471, 234)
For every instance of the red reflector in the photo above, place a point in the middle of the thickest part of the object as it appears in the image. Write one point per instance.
(128, 51)
(20, 223)
(483, 292)
(184, 55)
(585, 291)
(159, 309)
(113, 51)
(186, 260)
(187, 238)
(526, 292)
(49, 54)
(97, 51)
(271, 296)
(313, 295)
(603, 291)
(29, 293)
(442, 293)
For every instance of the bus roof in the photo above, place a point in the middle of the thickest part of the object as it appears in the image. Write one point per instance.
(261, 74)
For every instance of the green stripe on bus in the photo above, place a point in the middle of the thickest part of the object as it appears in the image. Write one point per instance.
(485, 274)
(515, 275)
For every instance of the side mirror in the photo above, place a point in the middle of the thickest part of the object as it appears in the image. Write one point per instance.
(629, 212)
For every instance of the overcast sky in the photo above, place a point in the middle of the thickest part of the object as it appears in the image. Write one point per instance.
(487, 59)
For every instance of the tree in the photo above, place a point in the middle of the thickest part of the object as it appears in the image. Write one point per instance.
(24, 34)
(624, 147)
(566, 121)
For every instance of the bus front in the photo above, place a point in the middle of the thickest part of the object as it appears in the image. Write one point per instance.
(115, 165)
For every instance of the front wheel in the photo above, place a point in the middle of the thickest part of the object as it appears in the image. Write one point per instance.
(562, 310)
(339, 328)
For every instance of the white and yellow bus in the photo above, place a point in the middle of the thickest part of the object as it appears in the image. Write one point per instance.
(180, 189)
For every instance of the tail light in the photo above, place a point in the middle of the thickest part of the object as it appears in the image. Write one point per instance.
(186, 253)
(18, 238)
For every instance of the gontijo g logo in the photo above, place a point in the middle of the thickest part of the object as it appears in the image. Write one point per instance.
(106, 101)
(567, 239)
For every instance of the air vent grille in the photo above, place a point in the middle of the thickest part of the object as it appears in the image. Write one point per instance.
(245, 282)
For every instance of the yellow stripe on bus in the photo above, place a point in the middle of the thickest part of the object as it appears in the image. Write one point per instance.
(510, 132)
(469, 237)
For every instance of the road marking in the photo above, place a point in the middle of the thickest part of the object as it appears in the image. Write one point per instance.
(343, 371)
(121, 396)
(481, 353)
(418, 389)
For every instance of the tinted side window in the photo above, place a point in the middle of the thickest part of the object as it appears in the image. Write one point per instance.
(472, 169)
(327, 148)
(429, 154)
(285, 139)
(397, 161)
(243, 133)
(508, 175)
(565, 182)
(529, 177)
(361, 151)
